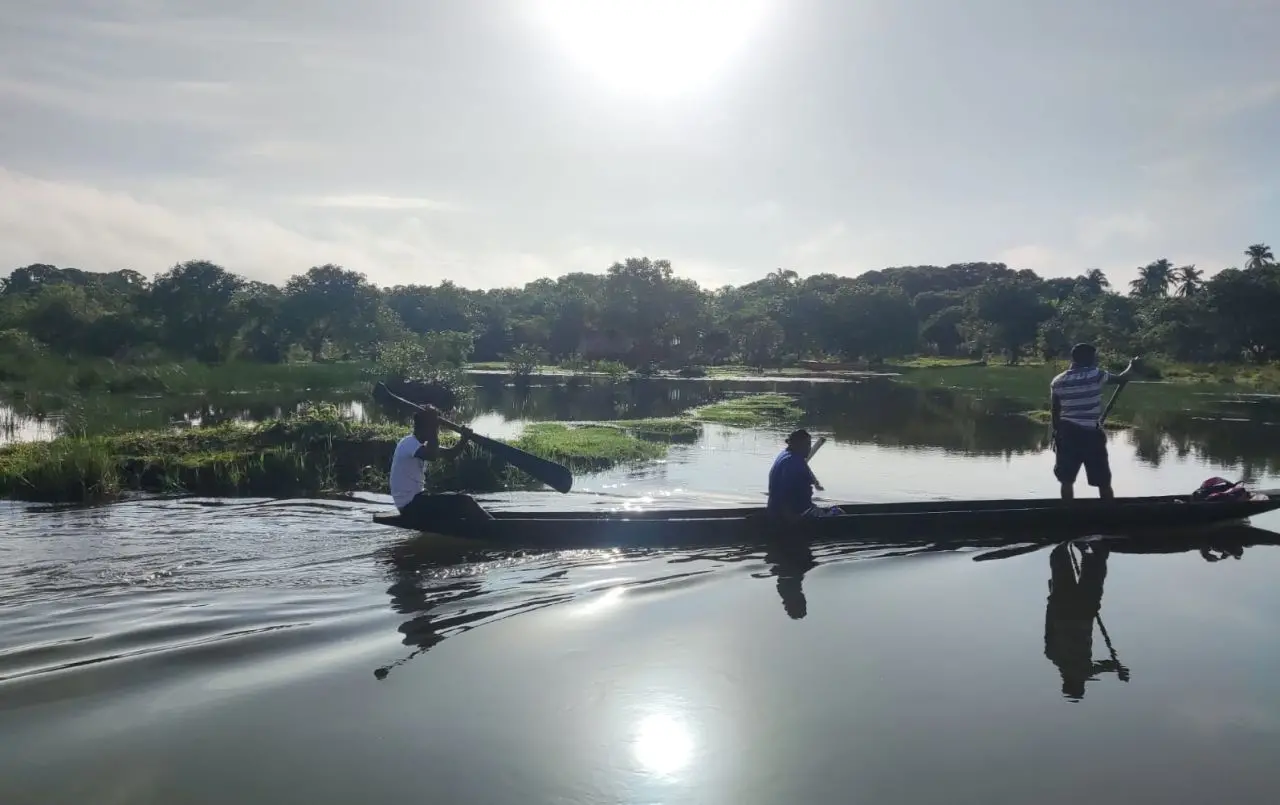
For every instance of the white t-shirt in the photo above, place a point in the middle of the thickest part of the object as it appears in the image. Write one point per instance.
(408, 472)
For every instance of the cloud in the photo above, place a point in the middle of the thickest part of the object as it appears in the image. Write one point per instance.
(77, 224)
(1227, 101)
(374, 202)
(1043, 260)
(1095, 232)
(275, 136)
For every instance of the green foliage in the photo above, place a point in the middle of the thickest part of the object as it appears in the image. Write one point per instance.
(526, 361)
(1013, 310)
(637, 315)
(751, 410)
(671, 429)
(65, 470)
(317, 451)
(587, 447)
(432, 357)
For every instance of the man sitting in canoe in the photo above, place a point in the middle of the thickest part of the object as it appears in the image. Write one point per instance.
(409, 472)
(1078, 437)
(791, 482)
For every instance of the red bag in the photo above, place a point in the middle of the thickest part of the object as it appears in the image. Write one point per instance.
(1220, 489)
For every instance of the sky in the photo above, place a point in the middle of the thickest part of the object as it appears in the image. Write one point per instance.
(492, 143)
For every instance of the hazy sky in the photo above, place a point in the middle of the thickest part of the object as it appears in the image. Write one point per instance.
(495, 142)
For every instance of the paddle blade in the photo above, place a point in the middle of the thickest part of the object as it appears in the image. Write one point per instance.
(813, 451)
(556, 476)
(1008, 553)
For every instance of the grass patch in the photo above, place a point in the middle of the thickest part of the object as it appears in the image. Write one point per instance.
(668, 429)
(1262, 378)
(751, 410)
(587, 447)
(315, 452)
(933, 362)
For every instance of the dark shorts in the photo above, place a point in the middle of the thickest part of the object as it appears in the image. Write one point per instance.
(1080, 446)
(426, 508)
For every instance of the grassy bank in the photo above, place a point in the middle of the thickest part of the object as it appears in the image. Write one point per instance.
(53, 375)
(313, 453)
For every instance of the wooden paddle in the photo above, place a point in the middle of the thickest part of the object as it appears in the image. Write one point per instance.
(556, 476)
(1111, 403)
(813, 451)
(1008, 553)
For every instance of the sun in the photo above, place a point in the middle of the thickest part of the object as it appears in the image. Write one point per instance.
(653, 47)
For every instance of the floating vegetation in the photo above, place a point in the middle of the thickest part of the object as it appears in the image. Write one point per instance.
(751, 410)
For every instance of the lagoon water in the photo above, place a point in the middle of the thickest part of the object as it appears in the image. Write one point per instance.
(194, 651)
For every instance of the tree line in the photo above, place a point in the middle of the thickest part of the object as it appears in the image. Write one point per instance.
(639, 312)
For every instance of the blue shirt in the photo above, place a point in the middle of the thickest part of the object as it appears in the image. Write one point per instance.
(790, 485)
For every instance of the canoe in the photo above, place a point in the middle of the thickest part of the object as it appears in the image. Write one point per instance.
(929, 522)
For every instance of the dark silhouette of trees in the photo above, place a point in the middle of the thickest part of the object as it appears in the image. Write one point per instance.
(641, 313)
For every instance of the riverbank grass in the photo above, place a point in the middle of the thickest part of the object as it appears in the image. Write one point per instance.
(316, 452)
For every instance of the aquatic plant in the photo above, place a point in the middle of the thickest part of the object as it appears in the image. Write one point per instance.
(69, 470)
(587, 447)
(751, 410)
(669, 429)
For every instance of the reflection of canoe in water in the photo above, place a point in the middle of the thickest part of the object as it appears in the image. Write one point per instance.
(1229, 539)
(932, 521)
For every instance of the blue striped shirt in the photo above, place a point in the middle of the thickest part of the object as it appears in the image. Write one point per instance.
(1079, 391)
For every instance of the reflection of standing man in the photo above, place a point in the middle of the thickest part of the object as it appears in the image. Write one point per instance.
(1074, 602)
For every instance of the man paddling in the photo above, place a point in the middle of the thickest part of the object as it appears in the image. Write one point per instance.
(791, 482)
(409, 470)
(1078, 437)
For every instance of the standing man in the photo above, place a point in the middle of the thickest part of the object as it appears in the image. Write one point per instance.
(1078, 436)
(409, 469)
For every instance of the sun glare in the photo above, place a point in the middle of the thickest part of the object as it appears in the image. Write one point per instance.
(653, 47)
(663, 744)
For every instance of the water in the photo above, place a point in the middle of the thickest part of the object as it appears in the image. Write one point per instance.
(258, 651)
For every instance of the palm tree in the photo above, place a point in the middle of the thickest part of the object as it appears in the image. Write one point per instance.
(782, 277)
(1153, 279)
(1189, 279)
(1259, 255)
(1095, 282)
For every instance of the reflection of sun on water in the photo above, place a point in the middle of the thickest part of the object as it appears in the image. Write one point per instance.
(663, 744)
(652, 46)
(601, 603)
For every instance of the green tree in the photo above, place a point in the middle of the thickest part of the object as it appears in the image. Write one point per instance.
(944, 329)
(1245, 304)
(331, 305)
(1153, 279)
(1189, 280)
(195, 304)
(1259, 255)
(1094, 282)
(1014, 309)
(758, 340)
